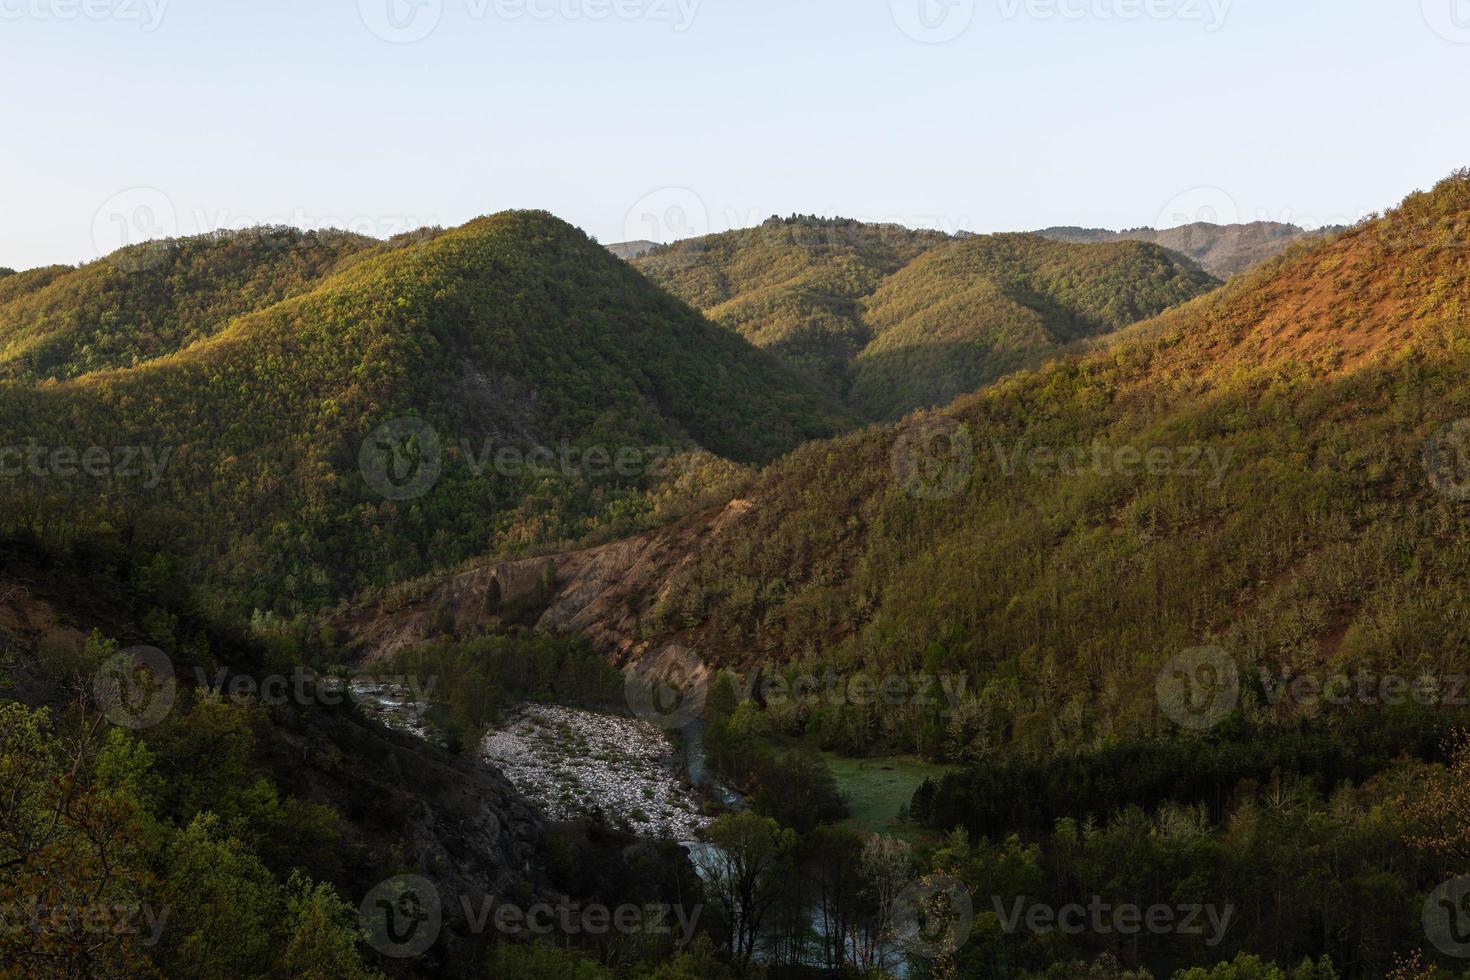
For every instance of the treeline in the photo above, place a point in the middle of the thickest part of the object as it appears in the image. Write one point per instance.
(1027, 795)
(155, 299)
(482, 677)
(1287, 872)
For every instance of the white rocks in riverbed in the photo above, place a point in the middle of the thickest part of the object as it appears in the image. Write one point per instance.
(571, 762)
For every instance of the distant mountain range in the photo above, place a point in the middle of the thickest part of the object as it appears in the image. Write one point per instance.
(632, 250)
(1221, 250)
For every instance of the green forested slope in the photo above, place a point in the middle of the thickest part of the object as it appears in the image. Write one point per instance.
(792, 286)
(152, 300)
(515, 331)
(978, 308)
(1247, 471)
(893, 319)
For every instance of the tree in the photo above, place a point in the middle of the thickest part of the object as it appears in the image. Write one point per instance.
(834, 864)
(323, 934)
(798, 790)
(741, 874)
(886, 871)
(1444, 806)
(69, 857)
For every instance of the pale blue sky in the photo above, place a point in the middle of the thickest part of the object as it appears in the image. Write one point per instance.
(231, 112)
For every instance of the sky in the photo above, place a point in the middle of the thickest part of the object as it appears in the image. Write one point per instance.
(658, 119)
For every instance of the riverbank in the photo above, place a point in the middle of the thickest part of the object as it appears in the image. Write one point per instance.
(577, 764)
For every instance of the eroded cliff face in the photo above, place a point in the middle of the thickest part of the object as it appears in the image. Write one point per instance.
(601, 593)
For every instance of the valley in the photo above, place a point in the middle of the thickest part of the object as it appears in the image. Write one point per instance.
(939, 573)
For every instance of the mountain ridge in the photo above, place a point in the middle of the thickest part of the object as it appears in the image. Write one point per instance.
(488, 334)
(817, 291)
(1221, 250)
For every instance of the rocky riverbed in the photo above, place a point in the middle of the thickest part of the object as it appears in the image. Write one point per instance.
(575, 763)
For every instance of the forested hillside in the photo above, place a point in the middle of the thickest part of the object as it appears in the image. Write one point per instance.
(1247, 471)
(152, 300)
(893, 319)
(257, 455)
(978, 308)
(794, 286)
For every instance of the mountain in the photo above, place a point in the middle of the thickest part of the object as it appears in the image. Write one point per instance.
(791, 286)
(1270, 469)
(152, 300)
(1221, 250)
(892, 319)
(1247, 471)
(968, 312)
(420, 402)
(632, 250)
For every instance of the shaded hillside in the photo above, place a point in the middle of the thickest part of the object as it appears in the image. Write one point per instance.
(256, 809)
(1221, 250)
(511, 336)
(979, 308)
(893, 319)
(152, 300)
